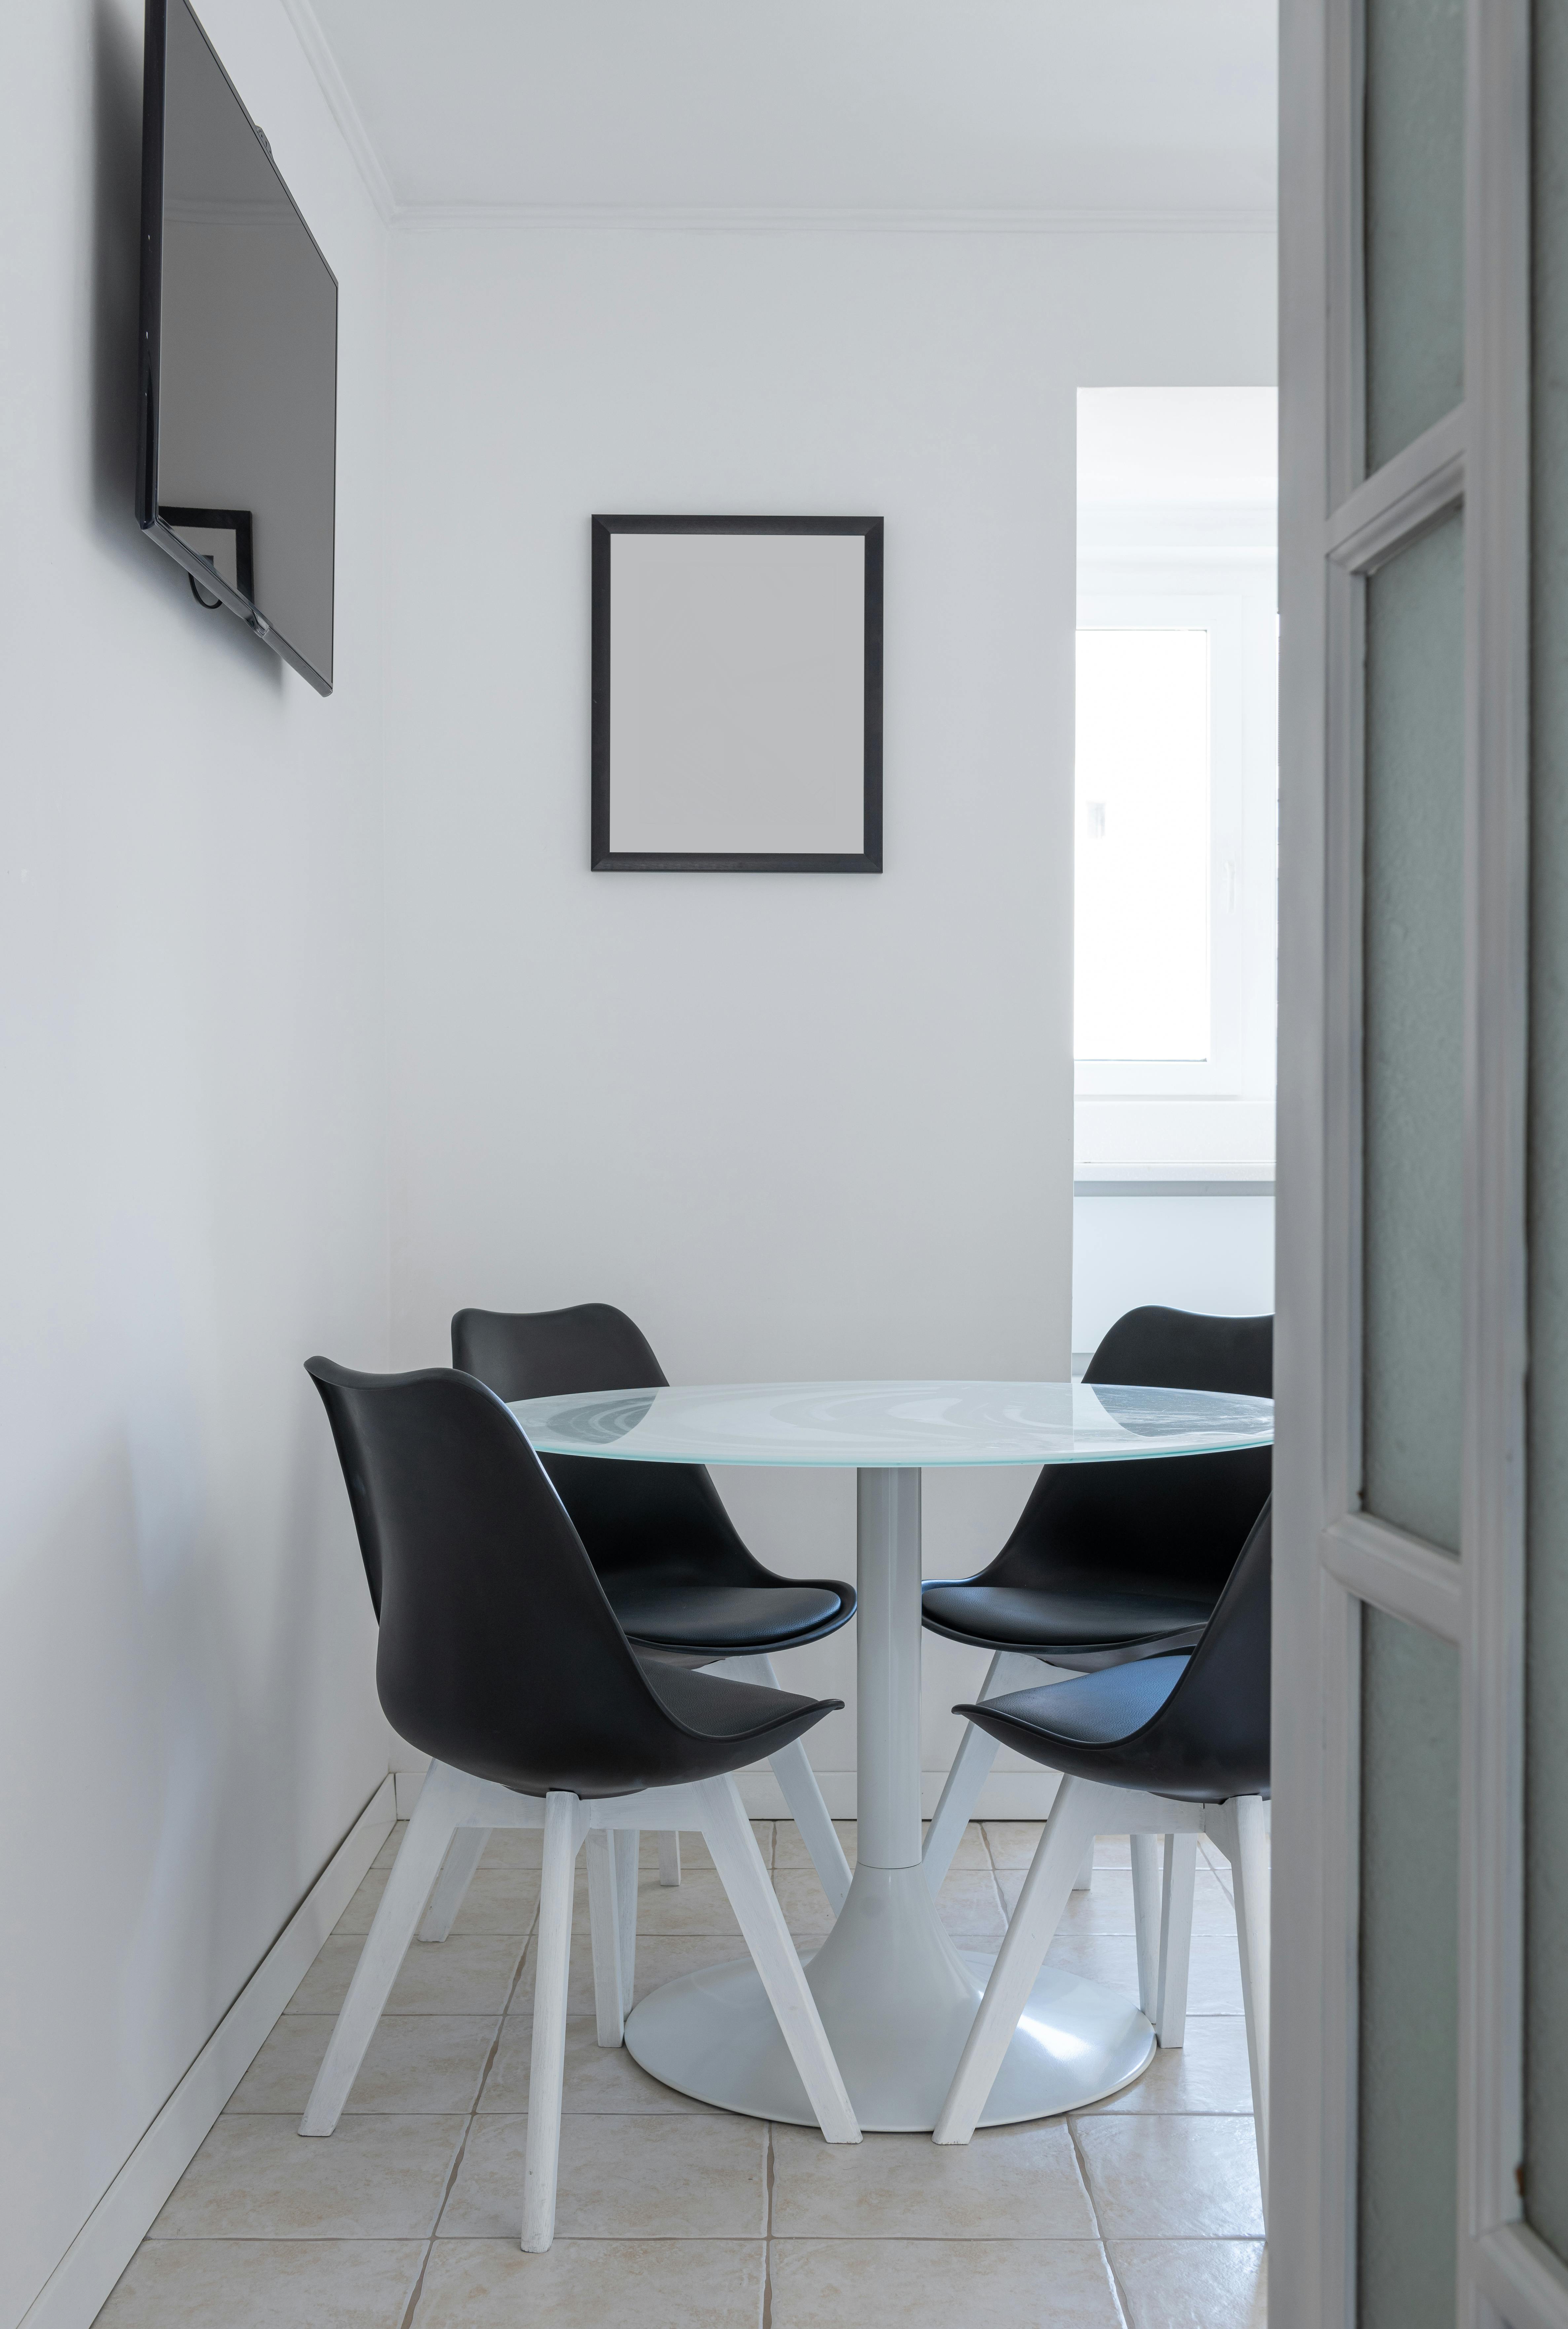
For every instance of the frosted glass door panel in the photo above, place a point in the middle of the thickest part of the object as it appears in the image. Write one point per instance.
(1408, 2085)
(1413, 1093)
(1547, 1639)
(1413, 213)
(1141, 980)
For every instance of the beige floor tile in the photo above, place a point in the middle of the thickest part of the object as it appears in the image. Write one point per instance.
(1192, 2283)
(803, 1902)
(416, 2062)
(969, 1902)
(265, 2285)
(931, 2284)
(1156, 2178)
(694, 1853)
(660, 1957)
(1011, 2182)
(789, 1849)
(598, 2078)
(621, 2179)
(500, 1899)
(698, 1904)
(1107, 1906)
(594, 2285)
(514, 1847)
(1013, 1844)
(377, 2178)
(1213, 1974)
(1208, 2073)
(469, 1974)
(971, 1847)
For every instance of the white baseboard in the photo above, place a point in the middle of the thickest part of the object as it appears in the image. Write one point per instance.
(78, 2286)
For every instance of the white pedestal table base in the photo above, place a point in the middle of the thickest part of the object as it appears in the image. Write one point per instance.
(896, 1999)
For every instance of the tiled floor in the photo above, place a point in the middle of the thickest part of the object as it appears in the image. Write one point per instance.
(1142, 2213)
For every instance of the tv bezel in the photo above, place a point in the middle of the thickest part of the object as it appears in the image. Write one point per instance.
(200, 569)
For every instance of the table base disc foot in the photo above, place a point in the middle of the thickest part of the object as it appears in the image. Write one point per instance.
(896, 1999)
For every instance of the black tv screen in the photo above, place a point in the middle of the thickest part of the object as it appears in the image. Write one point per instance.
(238, 466)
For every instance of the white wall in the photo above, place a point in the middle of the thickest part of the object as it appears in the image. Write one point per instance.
(193, 1165)
(1212, 1253)
(798, 1126)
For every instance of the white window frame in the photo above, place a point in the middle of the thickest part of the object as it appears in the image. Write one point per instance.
(1237, 609)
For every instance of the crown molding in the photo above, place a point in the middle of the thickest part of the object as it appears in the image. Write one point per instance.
(341, 106)
(779, 219)
(656, 218)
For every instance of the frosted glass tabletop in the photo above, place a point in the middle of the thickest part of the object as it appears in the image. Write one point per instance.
(877, 1426)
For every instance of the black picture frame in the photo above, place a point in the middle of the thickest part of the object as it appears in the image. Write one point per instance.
(606, 859)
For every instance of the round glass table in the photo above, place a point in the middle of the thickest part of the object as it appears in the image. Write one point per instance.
(895, 1996)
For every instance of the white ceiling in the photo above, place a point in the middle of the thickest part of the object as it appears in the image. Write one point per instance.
(888, 105)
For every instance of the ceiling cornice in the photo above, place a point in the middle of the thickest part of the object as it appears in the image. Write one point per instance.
(723, 219)
(728, 219)
(343, 110)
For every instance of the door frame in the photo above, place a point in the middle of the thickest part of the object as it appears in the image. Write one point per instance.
(1336, 526)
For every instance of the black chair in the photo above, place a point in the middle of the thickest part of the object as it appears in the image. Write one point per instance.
(679, 1575)
(1174, 1746)
(1110, 1562)
(502, 1659)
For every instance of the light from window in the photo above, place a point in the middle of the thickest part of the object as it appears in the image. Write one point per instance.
(1142, 975)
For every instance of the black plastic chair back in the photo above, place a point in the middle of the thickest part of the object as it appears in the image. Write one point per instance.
(498, 1650)
(667, 1518)
(1203, 1741)
(1147, 1523)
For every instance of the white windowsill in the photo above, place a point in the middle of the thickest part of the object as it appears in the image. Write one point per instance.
(1173, 1179)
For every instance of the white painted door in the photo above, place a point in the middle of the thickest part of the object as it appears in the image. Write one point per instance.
(1402, 1258)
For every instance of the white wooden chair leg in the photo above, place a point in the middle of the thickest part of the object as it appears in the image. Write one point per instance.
(1247, 1847)
(1146, 1897)
(798, 1783)
(976, 1753)
(413, 1872)
(626, 1842)
(463, 1857)
(547, 2063)
(670, 1856)
(1085, 1878)
(1176, 1937)
(1034, 1923)
(734, 1846)
(605, 1930)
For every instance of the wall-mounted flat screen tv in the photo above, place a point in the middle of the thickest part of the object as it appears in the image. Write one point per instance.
(237, 465)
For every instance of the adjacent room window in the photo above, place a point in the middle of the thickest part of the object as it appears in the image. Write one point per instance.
(1141, 986)
(1176, 819)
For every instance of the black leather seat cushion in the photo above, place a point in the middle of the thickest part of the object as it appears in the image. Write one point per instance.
(726, 1620)
(1093, 1710)
(1066, 1620)
(716, 1707)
